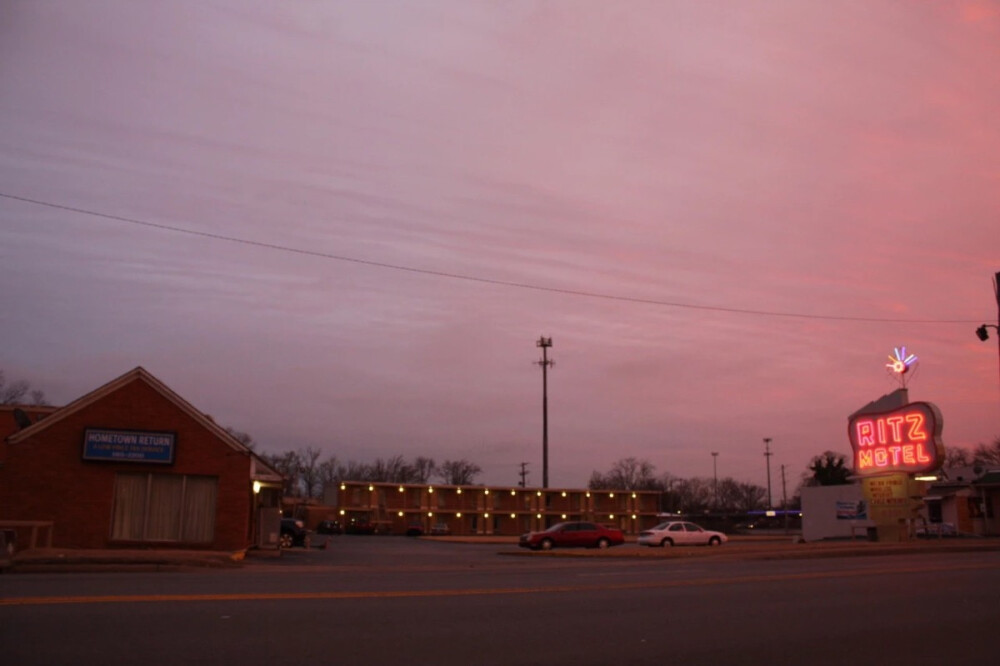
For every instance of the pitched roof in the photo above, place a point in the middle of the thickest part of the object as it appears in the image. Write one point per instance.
(990, 478)
(261, 468)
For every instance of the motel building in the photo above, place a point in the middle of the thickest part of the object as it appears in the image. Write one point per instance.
(132, 465)
(480, 510)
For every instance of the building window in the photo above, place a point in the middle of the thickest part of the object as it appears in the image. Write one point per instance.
(164, 507)
(934, 511)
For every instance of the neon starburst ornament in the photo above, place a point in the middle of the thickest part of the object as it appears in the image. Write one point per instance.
(900, 363)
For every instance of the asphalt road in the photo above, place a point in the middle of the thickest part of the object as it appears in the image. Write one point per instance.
(369, 600)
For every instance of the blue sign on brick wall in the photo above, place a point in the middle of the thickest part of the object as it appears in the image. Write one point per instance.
(138, 446)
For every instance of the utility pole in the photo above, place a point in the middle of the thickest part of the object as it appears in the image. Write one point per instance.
(545, 343)
(524, 473)
(982, 331)
(767, 457)
(784, 498)
(715, 475)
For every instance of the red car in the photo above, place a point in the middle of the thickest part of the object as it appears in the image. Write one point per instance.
(573, 534)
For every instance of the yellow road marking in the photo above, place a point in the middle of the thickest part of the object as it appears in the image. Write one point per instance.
(403, 594)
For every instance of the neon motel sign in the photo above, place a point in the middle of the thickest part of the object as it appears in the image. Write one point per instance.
(907, 440)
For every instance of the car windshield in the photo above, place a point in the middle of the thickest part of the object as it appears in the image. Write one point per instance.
(663, 526)
(560, 527)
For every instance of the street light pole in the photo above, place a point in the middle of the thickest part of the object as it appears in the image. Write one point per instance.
(715, 475)
(545, 343)
(767, 457)
(981, 332)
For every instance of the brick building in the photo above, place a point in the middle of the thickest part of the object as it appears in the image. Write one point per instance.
(482, 510)
(131, 465)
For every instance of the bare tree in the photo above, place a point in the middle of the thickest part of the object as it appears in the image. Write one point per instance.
(15, 392)
(242, 437)
(626, 474)
(288, 465)
(957, 456)
(329, 471)
(987, 455)
(693, 495)
(355, 471)
(458, 472)
(391, 470)
(750, 497)
(423, 469)
(309, 472)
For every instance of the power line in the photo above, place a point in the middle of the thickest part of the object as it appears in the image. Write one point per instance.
(479, 279)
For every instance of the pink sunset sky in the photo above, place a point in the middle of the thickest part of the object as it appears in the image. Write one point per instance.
(344, 225)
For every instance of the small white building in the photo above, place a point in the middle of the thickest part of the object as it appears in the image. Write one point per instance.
(834, 512)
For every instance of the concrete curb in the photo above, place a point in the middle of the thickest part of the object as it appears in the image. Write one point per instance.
(50, 560)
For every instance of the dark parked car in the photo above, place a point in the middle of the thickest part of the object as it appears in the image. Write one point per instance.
(329, 527)
(294, 533)
(573, 534)
(415, 529)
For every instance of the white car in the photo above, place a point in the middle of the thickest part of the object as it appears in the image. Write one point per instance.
(680, 533)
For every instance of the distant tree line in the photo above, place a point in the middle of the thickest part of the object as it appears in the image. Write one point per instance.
(983, 455)
(693, 495)
(307, 473)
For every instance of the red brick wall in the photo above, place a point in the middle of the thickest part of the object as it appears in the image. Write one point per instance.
(45, 478)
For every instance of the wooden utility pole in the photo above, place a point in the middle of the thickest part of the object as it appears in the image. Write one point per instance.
(784, 498)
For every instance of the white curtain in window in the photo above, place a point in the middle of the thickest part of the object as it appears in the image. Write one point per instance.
(129, 513)
(199, 509)
(164, 507)
(166, 494)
